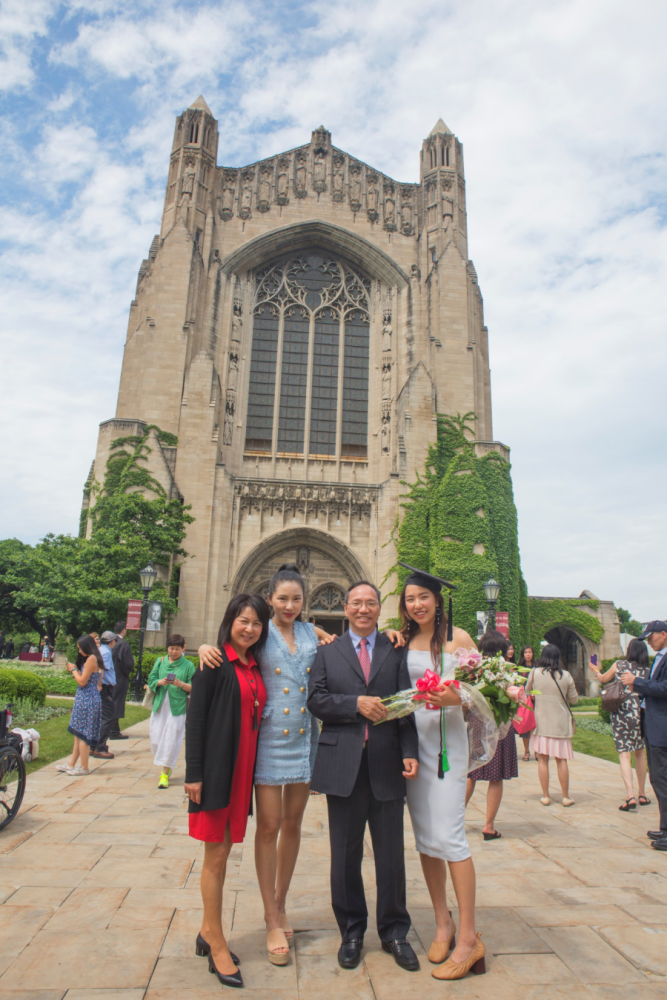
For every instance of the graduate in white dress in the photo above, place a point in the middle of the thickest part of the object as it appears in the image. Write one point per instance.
(436, 798)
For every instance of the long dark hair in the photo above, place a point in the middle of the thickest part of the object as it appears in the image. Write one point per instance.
(637, 653)
(288, 573)
(512, 658)
(550, 660)
(522, 657)
(409, 627)
(88, 647)
(492, 642)
(234, 609)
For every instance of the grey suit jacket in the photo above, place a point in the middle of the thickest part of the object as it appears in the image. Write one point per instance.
(336, 681)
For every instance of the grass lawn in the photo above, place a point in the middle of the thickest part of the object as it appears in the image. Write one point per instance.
(55, 742)
(595, 744)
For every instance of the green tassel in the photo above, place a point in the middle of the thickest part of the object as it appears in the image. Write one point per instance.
(443, 763)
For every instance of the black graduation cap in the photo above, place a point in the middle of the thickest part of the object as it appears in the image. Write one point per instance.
(420, 578)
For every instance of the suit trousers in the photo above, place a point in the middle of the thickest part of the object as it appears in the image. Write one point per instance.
(657, 769)
(348, 817)
(107, 716)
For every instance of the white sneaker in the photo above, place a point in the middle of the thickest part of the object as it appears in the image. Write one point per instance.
(78, 770)
(62, 767)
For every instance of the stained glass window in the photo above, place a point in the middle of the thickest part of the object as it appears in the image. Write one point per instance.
(311, 350)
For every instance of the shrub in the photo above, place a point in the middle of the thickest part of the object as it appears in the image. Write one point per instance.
(604, 715)
(8, 687)
(30, 686)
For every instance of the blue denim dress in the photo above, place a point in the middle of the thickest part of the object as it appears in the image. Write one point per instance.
(288, 733)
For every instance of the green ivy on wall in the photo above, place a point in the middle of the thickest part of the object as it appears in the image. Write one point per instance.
(563, 612)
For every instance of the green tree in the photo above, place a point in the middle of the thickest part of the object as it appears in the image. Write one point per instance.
(628, 623)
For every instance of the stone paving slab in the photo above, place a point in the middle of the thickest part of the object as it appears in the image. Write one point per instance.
(99, 897)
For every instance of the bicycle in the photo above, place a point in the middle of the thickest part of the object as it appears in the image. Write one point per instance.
(12, 772)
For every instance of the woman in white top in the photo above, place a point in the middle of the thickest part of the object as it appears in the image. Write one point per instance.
(437, 804)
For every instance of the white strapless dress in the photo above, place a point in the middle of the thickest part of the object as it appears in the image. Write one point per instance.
(437, 805)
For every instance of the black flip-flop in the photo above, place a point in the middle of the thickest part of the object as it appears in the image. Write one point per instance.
(492, 836)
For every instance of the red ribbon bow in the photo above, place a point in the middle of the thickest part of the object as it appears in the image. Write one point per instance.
(429, 682)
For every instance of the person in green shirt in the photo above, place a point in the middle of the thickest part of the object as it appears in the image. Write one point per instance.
(170, 680)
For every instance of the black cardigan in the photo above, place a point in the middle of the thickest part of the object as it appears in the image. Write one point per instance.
(212, 733)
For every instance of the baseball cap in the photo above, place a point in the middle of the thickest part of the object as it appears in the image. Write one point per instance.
(656, 626)
(108, 636)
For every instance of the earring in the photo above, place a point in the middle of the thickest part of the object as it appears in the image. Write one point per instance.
(438, 616)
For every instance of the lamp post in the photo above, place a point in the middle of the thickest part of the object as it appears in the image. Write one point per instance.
(148, 577)
(492, 590)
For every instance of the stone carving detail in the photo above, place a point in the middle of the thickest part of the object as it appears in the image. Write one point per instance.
(300, 174)
(385, 433)
(264, 192)
(282, 184)
(446, 180)
(230, 407)
(386, 381)
(389, 207)
(227, 197)
(233, 370)
(327, 598)
(355, 186)
(320, 170)
(338, 180)
(246, 193)
(372, 196)
(407, 227)
(292, 499)
(386, 332)
(188, 177)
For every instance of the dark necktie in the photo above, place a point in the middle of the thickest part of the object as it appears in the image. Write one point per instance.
(365, 661)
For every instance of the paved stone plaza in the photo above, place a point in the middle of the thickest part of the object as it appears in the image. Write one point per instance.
(100, 884)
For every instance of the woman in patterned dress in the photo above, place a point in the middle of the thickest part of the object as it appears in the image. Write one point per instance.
(504, 764)
(86, 718)
(626, 725)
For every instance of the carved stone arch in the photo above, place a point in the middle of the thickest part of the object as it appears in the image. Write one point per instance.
(360, 253)
(253, 569)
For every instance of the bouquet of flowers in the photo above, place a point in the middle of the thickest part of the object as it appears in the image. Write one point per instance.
(408, 701)
(500, 683)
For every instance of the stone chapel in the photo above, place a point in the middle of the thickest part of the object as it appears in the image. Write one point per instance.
(298, 324)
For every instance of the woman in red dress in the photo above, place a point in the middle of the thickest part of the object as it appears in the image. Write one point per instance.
(220, 747)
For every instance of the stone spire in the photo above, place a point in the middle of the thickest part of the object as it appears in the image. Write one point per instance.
(201, 105)
(438, 129)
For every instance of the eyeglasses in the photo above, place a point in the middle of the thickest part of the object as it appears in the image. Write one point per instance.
(369, 605)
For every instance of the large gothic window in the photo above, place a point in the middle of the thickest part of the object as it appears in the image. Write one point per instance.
(309, 363)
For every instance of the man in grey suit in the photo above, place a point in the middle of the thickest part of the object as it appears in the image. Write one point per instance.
(362, 769)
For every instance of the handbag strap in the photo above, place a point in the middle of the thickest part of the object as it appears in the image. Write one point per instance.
(567, 704)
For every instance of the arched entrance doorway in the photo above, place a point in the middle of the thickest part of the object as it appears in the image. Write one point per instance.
(573, 653)
(326, 564)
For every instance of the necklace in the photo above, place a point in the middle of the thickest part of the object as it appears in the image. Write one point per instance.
(253, 683)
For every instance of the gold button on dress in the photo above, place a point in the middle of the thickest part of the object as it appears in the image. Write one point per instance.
(286, 711)
(285, 732)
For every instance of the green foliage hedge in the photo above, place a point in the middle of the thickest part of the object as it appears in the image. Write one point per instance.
(54, 681)
(546, 615)
(22, 684)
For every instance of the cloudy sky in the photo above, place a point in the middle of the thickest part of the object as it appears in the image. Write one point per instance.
(561, 106)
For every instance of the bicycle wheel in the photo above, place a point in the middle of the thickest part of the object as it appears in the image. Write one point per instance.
(12, 784)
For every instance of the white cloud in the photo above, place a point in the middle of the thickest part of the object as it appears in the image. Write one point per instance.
(561, 108)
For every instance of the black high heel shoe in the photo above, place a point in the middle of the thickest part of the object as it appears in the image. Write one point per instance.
(203, 948)
(234, 980)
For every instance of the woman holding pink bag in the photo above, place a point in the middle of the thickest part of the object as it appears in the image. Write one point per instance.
(524, 720)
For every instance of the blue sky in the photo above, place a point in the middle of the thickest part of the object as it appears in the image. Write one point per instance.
(561, 106)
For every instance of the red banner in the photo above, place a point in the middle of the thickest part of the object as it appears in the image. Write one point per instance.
(503, 623)
(134, 614)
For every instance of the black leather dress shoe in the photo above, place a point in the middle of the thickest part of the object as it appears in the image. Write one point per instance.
(203, 948)
(659, 845)
(403, 954)
(118, 736)
(349, 953)
(656, 834)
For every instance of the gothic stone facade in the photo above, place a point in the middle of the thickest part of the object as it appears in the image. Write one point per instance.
(298, 324)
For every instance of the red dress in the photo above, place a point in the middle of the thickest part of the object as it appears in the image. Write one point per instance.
(210, 825)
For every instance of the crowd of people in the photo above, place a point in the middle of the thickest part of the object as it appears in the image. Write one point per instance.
(282, 708)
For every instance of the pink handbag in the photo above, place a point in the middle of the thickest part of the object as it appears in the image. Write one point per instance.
(524, 720)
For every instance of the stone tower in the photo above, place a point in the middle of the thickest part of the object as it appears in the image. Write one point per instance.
(298, 324)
